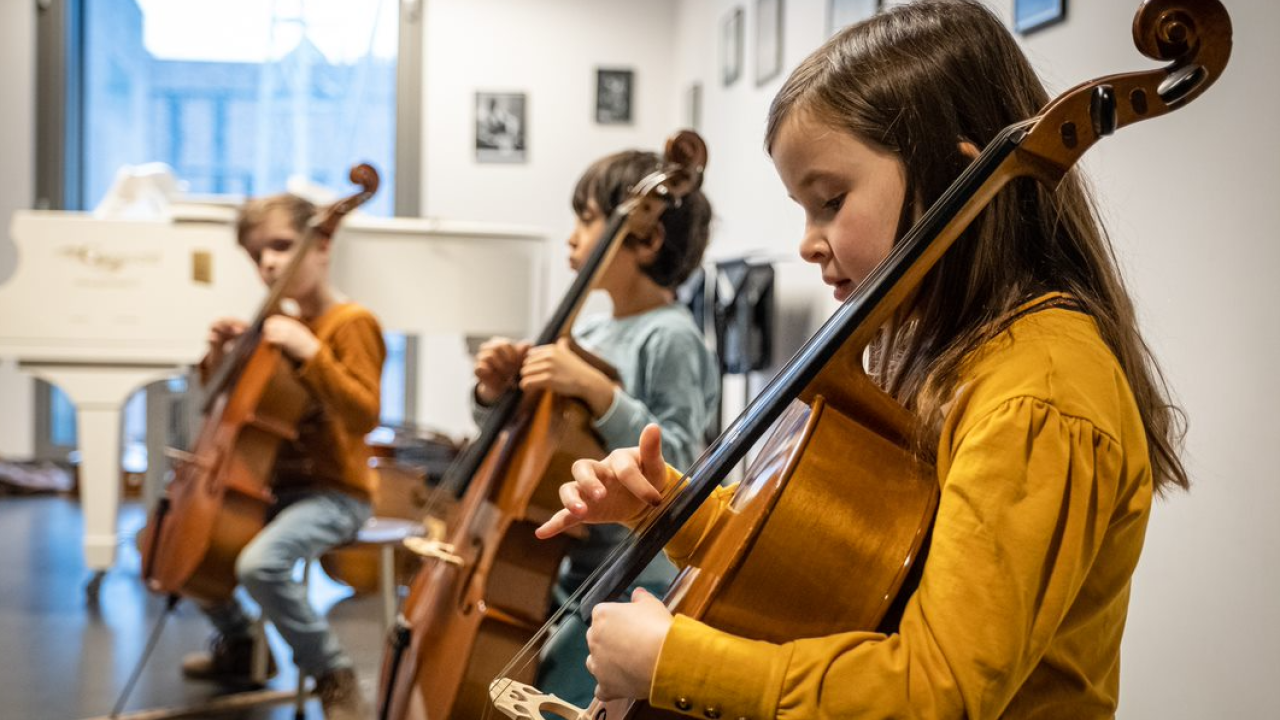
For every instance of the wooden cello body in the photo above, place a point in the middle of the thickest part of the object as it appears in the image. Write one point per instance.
(220, 494)
(482, 595)
(823, 535)
(480, 601)
(219, 497)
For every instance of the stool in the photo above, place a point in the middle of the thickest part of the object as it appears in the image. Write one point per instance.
(387, 534)
(382, 532)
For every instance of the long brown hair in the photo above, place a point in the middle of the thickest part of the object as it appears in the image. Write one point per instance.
(917, 80)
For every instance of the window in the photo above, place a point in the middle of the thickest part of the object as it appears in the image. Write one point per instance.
(239, 98)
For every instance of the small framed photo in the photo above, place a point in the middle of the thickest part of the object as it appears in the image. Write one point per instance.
(1032, 15)
(613, 96)
(768, 40)
(500, 127)
(842, 13)
(731, 47)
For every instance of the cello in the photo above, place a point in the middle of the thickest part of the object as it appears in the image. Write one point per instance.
(838, 470)
(220, 493)
(483, 592)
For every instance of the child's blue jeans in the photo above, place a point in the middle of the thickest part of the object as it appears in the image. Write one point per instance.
(304, 526)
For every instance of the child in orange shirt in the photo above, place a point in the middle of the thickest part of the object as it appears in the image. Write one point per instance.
(321, 480)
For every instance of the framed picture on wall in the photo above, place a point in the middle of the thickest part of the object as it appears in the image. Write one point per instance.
(731, 47)
(1032, 15)
(613, 96)
(501, 133)
(842, 13)
(768, 40)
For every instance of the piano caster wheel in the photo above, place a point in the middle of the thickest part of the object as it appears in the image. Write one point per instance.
(93, 588)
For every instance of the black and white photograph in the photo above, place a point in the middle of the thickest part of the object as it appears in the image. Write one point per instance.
(731, 47)
(614, 96)
(1032, 15)
(843, 13)
(768, 40)
(500, 127)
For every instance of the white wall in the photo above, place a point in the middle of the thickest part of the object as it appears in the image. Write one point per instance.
(549, 50)
(17, 157)
(1190, 201)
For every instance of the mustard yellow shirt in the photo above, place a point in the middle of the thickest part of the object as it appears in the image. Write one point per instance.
(1045, 493)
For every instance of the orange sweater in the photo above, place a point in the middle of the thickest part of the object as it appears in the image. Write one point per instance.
(344, 378)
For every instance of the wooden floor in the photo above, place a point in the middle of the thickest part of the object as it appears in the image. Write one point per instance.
(65, 658)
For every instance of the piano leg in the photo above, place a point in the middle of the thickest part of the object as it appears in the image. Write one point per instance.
(99, 439)
(99, 393)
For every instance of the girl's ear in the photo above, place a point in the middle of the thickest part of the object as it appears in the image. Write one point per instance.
(968, 149)
(323, 245)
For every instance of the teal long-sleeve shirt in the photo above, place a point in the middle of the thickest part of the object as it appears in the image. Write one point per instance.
(668, 377)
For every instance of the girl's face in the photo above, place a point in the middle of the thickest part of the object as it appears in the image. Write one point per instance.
(852, 196)
(272, 243)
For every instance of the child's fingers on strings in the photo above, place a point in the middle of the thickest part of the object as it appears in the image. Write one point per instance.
(520, 351)
(626, 468)
(652, 464)
(589, 477)
(537, 380)
(561, 521)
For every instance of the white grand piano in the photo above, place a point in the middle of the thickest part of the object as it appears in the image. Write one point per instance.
(100, 308)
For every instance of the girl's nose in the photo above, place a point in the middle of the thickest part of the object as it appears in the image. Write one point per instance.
(813, 246)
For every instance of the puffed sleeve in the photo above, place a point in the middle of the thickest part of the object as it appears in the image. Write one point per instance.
(1027, 497)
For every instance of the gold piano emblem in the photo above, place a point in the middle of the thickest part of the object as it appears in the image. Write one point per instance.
(202, 267)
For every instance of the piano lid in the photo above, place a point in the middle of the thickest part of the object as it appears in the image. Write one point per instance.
(90, 290)
(120, 291)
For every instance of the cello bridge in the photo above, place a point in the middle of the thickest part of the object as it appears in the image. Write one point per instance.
(433, 549)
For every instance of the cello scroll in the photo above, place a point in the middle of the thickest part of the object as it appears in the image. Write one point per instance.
(1194, 37)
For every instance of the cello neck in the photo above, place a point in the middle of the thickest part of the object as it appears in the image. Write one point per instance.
(504, 410)
(561, 321)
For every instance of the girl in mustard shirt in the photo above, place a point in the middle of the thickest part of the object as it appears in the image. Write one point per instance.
(1044, 413)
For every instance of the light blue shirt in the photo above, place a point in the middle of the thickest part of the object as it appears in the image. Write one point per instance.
(668, 377)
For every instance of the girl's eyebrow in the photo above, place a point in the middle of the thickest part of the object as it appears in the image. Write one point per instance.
(814, 176)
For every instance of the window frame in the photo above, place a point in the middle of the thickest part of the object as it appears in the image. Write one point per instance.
(60, 123)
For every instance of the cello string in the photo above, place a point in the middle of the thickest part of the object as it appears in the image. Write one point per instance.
(528, 652)
(573, 603)
(453, 482)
